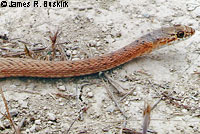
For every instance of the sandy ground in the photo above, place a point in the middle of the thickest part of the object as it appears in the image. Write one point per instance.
(89, 28)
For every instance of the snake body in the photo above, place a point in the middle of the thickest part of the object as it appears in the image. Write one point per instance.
(18, 67)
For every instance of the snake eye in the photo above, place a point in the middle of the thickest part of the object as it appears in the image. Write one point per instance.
(180, 34)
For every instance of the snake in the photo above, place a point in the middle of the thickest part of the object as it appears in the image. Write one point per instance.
(24, 67)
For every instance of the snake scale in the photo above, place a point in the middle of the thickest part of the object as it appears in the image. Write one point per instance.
(18, 67)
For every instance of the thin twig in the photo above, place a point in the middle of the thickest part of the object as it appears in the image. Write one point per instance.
(72, 124)
(17, 131)
(127, 94)
(129, 131)
(27, 51)
(156, 104)
(83, 110)
(123, 126)
(173, 101)
(116, 85)
(62, 52)
(26, 91)
(114, 99)
(66, 96)
(13, 54)
(21, 123)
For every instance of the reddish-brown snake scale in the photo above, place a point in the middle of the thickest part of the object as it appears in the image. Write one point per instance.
(18, 67)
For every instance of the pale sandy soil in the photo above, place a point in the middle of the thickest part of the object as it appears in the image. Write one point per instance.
(96, 27)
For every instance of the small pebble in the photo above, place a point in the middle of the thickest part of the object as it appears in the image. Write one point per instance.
(1, 126)
(13, 86)
(23, 104)
(17, 83)
(37, 122)
(109, 39)
(74, 52)
(32, 129)
(75, 59)
(51, 117)
(146, 15)
(13, 112)
(191, 6)
(82, 9)
(57, 53)
(90, 94)
(62, 88)
(68, 52)
(115, 33)
(92, 43)
(105, 129)
(89, 8)
(61, 104)
(45, 108)
(184, 111)
(6, 124)
(126, 103)
(197, 12)
(98, 44)
(50, 122)
(37, 128)
(93, 49)
(31, 86)
(110, 23)
(110, 109)
(104, 29)
(134, 93)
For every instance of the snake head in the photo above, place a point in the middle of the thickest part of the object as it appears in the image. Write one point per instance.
(182, 31)
(169, 35)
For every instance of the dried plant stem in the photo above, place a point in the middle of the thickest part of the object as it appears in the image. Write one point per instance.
(115, 100)
(8, 116)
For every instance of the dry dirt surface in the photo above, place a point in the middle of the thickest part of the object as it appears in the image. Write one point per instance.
(83, 105)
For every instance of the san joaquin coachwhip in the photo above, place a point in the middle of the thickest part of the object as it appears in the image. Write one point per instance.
(18, 67)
